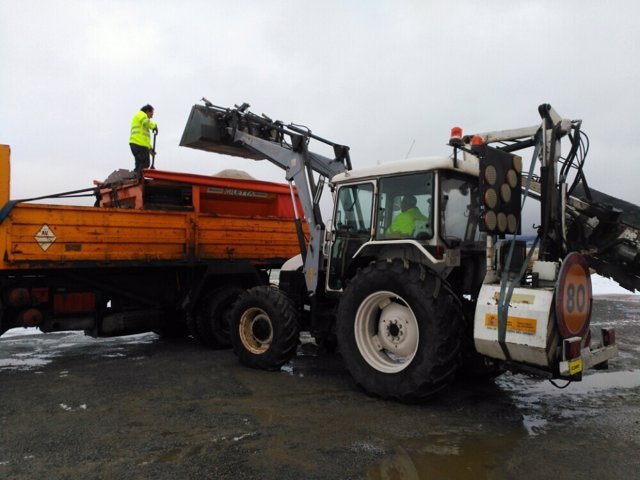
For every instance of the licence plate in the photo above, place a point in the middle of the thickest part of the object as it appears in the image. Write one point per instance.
(575, 366)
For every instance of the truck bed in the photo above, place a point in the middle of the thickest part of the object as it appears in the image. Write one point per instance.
(52, 236)
(167, 216)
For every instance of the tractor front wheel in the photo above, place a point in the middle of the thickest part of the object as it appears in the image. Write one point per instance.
(264, 328)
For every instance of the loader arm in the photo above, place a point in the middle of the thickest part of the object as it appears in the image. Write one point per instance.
(238, 132)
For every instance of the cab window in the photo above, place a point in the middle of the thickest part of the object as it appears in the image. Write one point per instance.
(460, 209)
(353, 210)
(406, 207)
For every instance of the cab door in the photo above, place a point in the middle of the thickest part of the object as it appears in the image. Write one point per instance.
(352, 221)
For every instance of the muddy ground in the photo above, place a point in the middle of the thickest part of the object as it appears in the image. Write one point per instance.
(138, 407)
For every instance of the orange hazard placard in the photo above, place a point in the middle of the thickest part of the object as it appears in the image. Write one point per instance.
(514, 324)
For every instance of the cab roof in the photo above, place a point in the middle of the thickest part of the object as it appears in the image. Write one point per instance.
(467, 164)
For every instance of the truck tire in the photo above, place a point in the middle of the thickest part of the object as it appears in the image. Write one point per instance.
(192, 328)
(264, 328)
(399, 330)
(212, 317)
(172, 327)
(3, 327)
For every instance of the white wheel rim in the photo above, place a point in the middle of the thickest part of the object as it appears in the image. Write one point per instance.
(256, 330)
(386, 332)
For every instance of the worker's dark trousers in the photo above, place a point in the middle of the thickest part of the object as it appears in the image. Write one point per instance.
(141, 154)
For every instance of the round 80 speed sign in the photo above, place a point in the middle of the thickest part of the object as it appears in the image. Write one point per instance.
(573, 297)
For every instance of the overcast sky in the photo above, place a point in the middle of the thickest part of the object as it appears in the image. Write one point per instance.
(375, 75)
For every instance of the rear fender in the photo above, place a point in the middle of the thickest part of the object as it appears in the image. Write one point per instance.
(410, 250)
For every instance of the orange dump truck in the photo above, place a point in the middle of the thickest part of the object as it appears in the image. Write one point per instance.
(167, 253)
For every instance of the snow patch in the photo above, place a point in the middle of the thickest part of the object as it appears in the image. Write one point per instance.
(68, 408)
(367, 447)
(287, 368)
(20, 331)
(605, 286)
(22, 363)
(246, 435)
(539, 402)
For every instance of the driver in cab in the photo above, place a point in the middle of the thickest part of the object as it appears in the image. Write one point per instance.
(405, 223)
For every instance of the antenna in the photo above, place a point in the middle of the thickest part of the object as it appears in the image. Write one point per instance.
(413, 142)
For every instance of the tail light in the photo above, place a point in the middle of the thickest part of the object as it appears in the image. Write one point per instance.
(571, 347)
(32, 317)
(18, 297)
(608, 337)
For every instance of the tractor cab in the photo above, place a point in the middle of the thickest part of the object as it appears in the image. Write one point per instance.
(425, 210)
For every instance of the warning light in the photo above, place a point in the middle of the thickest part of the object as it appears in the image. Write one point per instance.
(502, 222)
(490, 175)
(476, 141)
(512, 178)
(477, 145)
(505, 192)
(490, 221)
(500, 190)
(517, 163)
(490, 198)
(455, 139)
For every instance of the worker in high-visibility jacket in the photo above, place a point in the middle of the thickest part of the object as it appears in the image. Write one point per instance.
(140, 139)
(405, 223)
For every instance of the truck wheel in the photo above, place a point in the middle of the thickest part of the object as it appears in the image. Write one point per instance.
(3, 327)
(399, 330)
(212, 317)
(264, 328)
(172, 327)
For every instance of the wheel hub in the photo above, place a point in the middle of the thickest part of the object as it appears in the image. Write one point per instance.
(386, 332)
(256, 331)
(395, 332)
(261, 329)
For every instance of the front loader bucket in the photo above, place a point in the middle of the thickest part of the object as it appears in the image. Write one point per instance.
(207, 129)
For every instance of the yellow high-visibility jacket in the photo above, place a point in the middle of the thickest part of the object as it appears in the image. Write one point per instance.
(140, 126)
(405, 222)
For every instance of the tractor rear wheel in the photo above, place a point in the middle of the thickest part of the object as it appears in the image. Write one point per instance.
(399, 330)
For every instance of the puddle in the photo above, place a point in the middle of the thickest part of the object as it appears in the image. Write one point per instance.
(605, 399)
(446, 457)
(462, 454)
